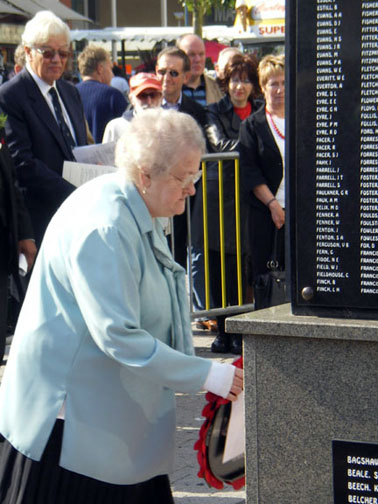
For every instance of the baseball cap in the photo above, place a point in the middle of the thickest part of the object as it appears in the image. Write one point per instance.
(141, 81)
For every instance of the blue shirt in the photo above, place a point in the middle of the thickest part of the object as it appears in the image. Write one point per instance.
(102, 103)
(197, 94)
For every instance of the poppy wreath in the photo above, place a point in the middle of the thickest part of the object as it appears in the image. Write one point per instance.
(213, 404)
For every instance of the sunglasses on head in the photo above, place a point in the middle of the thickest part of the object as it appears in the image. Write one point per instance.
(172, 73)
(50, 53)
(149, 94)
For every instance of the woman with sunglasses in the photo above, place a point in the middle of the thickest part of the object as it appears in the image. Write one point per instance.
(241, 88)
(103, 342)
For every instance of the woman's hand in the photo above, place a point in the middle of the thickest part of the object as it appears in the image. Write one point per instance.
(264, 194)
(28, 248)
(277, 213)
(237, 385)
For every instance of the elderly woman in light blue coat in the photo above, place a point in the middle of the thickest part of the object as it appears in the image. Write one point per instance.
(103, 340)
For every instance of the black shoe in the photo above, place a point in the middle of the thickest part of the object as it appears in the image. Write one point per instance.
(236, 344)
(221, 344)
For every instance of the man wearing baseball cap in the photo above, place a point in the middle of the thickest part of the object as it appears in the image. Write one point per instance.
(145, 92)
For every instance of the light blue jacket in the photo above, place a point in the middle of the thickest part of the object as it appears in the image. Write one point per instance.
(104, 327)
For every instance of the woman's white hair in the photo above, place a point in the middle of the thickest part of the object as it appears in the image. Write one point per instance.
(156, 140)
(42, 26)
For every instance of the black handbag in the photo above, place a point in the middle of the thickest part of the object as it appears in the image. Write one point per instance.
(270, 287)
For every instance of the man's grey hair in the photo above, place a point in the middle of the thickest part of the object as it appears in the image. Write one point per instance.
(155, 141)
(19, 56)
(42, 26)
(90, 57)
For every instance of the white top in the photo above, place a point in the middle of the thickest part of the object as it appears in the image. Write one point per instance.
(115, 129)
(280, 124)
(121, 84)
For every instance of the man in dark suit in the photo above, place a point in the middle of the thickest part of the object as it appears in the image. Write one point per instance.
(15, 234)
(172, 68)
(45, 118)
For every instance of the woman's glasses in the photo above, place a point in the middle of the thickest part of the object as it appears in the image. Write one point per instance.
(172, 73)
(184, 182)
(236, 80)
(187, 181)
(50, 53)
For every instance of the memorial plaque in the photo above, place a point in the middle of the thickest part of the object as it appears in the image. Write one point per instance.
(333, 156)
(355, 472)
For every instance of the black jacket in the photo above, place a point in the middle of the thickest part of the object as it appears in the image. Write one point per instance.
(15, 219)
(223, 126)
(260, 158)
(194, 109)
(260, 163)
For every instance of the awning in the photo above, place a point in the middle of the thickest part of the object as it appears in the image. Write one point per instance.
(60, 10)
(29, 8)
(151, 35)
(6, 8)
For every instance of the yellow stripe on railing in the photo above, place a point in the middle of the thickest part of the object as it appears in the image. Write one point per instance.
(220, 159)
(205, 236)
(221, 233)
(238, 234)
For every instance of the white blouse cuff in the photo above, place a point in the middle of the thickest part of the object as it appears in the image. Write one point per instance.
(220, 378)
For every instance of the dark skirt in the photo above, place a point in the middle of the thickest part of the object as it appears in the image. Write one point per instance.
(25, 481)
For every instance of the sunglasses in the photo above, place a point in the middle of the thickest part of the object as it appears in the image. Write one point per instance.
(172, 73)
(151, 94)
(50, 53)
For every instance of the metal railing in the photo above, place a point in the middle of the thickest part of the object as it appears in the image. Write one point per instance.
(224, 309)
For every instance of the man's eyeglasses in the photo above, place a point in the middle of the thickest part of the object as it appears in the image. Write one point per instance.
(187, 181)
(50, 53)
(172, 73)
(152, 94)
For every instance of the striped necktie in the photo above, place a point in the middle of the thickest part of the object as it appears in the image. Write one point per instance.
(70, 142)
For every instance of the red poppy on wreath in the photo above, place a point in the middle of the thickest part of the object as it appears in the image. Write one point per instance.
(211, 442)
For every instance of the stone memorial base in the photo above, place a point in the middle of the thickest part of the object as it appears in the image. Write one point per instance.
(308, 381)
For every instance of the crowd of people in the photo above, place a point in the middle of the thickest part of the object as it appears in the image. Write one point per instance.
(103, 340)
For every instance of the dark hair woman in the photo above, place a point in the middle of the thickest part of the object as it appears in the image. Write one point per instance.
(241, 87)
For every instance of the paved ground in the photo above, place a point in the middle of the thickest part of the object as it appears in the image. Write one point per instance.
(187, 487)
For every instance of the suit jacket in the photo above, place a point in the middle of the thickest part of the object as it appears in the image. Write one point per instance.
(17, 225)
(115, 346)
(260, 158)
(102, 103)
(37, 146)
(194, 109)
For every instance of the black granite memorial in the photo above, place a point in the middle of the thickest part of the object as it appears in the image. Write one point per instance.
(355, 472)
(310, 380)
(333, 157)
